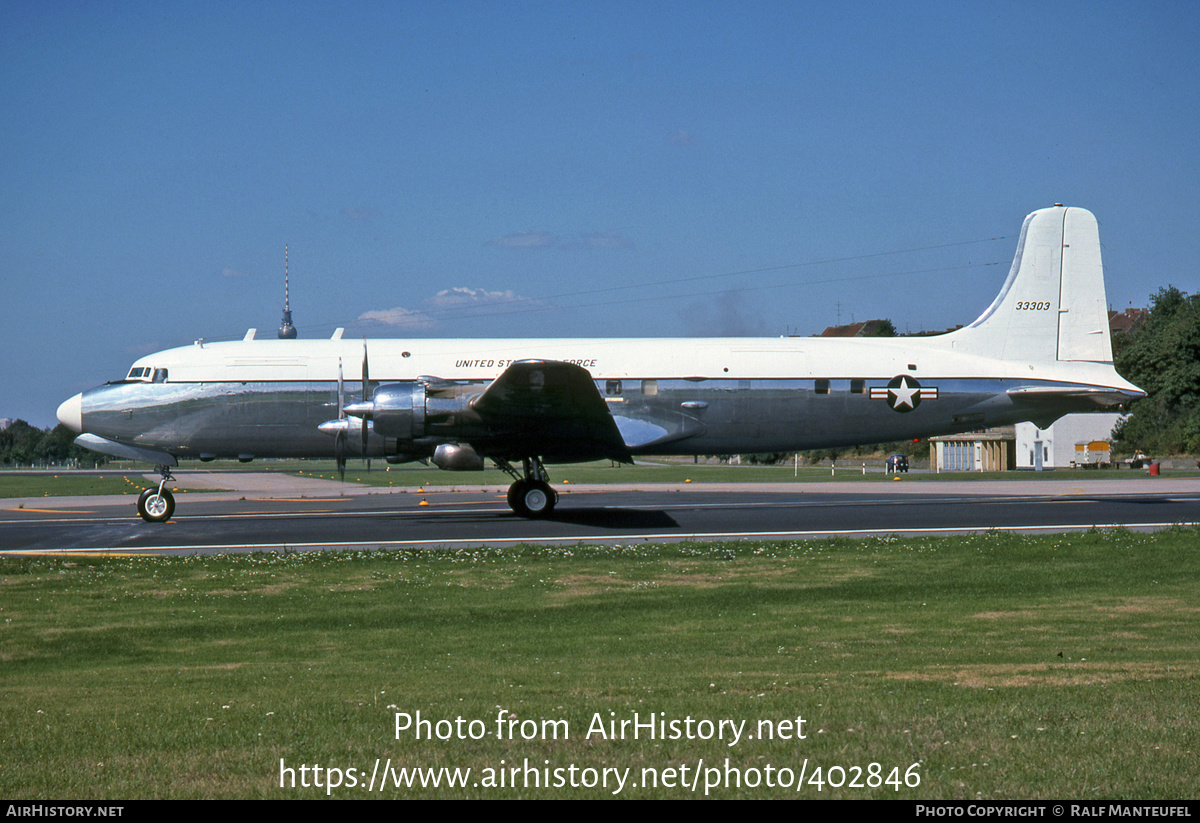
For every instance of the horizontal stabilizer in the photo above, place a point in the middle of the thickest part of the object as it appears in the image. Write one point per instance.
(1096, 395)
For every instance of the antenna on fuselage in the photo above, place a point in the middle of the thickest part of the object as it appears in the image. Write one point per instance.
(286, 331)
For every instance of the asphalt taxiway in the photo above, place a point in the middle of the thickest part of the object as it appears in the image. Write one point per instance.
(274, 512)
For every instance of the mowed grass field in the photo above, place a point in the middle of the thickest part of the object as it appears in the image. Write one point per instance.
(66, 484)
(994, 666)
(134, 478)
(120, 478)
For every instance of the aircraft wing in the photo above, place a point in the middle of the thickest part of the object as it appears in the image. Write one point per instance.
(551, 409)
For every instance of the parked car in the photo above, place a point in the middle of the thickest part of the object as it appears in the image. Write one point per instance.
(897, 463)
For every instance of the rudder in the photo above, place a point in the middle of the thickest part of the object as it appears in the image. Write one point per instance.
(1083, 331)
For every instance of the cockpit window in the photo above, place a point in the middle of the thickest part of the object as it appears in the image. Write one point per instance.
(142, 373)
(160, 375)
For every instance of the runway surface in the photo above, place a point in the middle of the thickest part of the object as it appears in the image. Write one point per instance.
(276, 512)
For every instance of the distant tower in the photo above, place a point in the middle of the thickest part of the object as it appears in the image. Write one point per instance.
(286, 331)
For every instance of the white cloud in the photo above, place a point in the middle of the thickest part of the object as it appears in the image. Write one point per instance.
(449, 304)
(460, 296)
(400, 318)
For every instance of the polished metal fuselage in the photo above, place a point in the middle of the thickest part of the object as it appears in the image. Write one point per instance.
(658, 416)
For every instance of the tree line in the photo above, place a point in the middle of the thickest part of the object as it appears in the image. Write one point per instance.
(24, 445)
(1163, 359)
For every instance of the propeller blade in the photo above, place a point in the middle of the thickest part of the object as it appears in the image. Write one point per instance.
(366, 395)
(367, 389)
(341, 397)
(339, 454)
(339, 440)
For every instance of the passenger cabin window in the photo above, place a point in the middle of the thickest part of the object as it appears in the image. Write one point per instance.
(650, 388)
(612, 388)
(856, 386)
(821, 386)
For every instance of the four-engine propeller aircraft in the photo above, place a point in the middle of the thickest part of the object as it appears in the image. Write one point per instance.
(1041, 350)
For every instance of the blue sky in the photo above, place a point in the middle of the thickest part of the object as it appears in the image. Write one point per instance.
(513, 169)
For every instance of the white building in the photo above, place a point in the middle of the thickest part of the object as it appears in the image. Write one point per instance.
(1054, 448)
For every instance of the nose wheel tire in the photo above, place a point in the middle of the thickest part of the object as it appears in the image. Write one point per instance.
(155, 506)
(532, 498)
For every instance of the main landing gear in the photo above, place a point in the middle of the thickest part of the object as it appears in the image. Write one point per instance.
(157, 505)
(530, 496)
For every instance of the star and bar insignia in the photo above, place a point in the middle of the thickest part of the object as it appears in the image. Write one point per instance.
(903, 393)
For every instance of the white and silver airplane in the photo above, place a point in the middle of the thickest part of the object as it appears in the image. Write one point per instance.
(1041, 350)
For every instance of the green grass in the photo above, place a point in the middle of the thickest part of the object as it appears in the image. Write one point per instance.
(597, 472)
(656, 470)
(659, 470)
(70, 484)
(1001, 666)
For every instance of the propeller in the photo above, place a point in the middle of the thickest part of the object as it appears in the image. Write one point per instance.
(367, 392)
(340, 428)
(339, 441)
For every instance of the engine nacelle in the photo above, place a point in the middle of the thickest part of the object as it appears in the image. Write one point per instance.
(408, 420)
(457, 457)
(419, 415)
(398, 410)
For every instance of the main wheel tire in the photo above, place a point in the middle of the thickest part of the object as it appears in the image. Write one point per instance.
(538, 499)
(531, 498)
(155, 507)
(515, 492)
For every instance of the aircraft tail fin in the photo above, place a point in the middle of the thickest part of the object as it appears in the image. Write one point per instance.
(1052, 306)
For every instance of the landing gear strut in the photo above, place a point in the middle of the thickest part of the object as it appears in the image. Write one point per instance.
(530, 496)
(157, 505)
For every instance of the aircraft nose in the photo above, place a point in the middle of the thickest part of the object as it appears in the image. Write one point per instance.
(70, 413)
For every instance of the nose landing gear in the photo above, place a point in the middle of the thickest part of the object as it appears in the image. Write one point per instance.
(157, 505)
